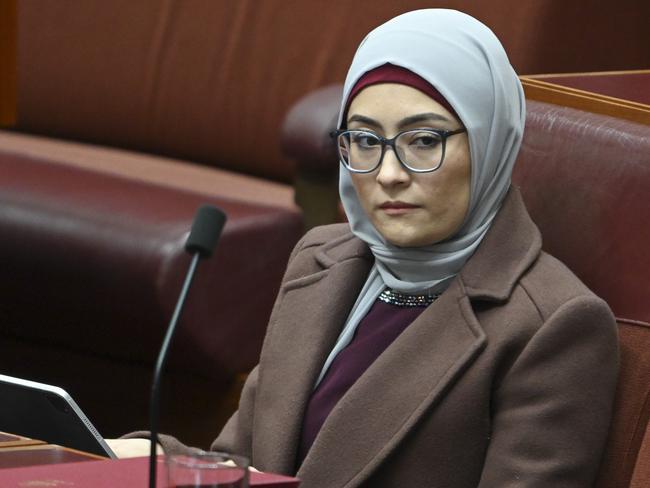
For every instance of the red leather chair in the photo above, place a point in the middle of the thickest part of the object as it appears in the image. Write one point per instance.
(128, 117)
(92, 265)
(585, 178)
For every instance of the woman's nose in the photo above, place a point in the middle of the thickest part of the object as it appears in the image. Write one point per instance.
(391, 171)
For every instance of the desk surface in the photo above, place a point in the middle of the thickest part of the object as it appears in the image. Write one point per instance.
(17, 451)
(31, 463)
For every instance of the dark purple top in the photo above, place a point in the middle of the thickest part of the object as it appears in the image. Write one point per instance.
(376, 331)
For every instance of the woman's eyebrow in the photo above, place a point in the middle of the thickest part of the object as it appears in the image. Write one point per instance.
(425, 117)
(410, 120)
(364, 120)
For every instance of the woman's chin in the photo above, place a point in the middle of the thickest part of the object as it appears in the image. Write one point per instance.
(407, 239)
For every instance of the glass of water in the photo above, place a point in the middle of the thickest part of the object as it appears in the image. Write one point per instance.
(207, 470)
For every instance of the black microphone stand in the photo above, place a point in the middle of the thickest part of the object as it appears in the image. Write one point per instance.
(154, 406)
(206, 229)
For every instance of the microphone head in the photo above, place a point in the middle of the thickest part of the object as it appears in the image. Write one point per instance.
(206, 229)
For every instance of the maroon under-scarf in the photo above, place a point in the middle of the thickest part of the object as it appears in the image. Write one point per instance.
(389, 73)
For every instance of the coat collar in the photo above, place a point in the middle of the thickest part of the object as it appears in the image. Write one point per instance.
(496, 266)
(509, 248)
(342, 249)
(360, 432)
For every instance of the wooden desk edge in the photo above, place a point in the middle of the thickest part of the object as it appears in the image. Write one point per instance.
(590, 73)
(584, 93)
(18, 440)
(19, 443)
(52, 447)
(583, 100)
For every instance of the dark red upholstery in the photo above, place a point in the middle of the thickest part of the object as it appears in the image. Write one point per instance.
(642, 469)
(94, 262)
(585, 179)
(195, 79)
(627, 456)
(92, 265)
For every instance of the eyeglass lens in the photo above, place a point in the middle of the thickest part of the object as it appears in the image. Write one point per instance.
(417, 149)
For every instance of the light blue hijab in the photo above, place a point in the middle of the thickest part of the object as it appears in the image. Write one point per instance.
(465, 62)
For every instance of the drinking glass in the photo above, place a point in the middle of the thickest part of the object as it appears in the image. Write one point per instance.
(207, 470)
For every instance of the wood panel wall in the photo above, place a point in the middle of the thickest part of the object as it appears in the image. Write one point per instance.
(8, 31)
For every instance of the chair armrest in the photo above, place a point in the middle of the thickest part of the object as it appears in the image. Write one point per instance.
(305, 133)
(306, 140)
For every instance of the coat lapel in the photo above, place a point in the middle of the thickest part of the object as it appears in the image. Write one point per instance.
(409, 377)
(312, 310)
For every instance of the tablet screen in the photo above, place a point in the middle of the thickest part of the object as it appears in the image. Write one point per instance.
(47, 413)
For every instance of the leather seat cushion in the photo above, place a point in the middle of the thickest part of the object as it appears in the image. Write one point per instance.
(94, 261)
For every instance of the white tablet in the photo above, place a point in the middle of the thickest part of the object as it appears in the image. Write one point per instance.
(49, 414)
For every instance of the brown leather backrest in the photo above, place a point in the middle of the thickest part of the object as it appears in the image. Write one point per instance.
(641, 476)
(628, 446)
(585, 179)
(211, 81)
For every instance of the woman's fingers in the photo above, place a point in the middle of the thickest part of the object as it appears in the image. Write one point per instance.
(127, 448)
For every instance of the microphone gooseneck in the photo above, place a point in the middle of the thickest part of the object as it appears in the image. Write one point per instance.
(206, 229)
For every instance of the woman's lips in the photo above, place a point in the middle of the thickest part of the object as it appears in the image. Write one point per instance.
(397, 208)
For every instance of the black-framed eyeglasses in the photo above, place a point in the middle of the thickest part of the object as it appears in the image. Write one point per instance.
(418, 150)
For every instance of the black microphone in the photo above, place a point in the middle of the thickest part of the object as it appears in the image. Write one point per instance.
(206, 229)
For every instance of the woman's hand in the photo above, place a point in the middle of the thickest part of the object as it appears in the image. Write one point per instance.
(128, 448)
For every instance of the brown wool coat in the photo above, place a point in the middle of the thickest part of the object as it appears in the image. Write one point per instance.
(507, 380)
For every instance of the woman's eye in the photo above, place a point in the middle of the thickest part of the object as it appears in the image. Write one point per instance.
(425, 141)
(366, 142)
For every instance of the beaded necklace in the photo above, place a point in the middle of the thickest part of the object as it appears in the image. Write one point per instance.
(400, 299)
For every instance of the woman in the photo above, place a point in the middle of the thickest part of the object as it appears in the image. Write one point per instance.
(430, 342)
